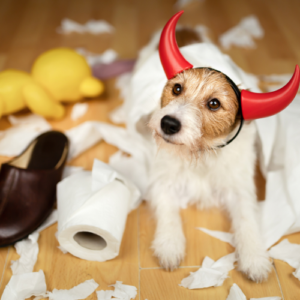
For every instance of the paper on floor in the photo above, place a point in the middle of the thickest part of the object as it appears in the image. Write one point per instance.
(118, 115)
(106, 57)
(182, 3)
(79, 110)
(221, 235)
(242, 34)
(288, 252)
(211, 273)
(124, 291)
(28, 248)
(81, 291)
(104, 295)
(91, 26)
(70, 170)
(121, 291)
(16, 138)
(23, 286)
(237, 294)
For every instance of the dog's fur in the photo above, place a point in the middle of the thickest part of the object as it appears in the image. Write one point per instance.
(190, 167)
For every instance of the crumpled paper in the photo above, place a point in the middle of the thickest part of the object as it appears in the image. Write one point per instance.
(242, 34)
(288, 252)
(221, 235)
(107, 57)
(182, 3)
(14, 139)
(91, 26)
(121, 291)
(23, 286)
(211, 273)
(28, 248)
(70, 170)
(237, 294)
(124, 291)
(79, 110)
(80, 291)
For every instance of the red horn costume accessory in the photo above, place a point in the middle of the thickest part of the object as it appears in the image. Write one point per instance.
(253, 105)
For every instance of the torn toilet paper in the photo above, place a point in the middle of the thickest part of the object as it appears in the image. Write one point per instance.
(78, 292)
(28, 248)
(211, 273)
(182, 3)
(221, 235)
(14, 139)
(124, 291)
(79, 110)
(237, 294)
(106, 57)
(91, 26)
(23, 286)
(92, 212)
(288, 252)
(242, 34)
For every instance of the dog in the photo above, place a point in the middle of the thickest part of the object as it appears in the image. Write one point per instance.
(201, 159)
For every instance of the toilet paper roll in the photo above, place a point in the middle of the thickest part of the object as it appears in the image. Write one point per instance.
(92, 212)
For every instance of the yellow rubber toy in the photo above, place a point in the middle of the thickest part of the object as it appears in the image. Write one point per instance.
(58, 75)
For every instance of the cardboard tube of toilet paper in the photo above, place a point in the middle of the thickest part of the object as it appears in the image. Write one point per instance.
(92, 219)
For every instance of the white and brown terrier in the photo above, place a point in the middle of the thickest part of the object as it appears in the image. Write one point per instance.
(201, 112)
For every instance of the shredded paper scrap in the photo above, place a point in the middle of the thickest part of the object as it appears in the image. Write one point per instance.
(212, 273)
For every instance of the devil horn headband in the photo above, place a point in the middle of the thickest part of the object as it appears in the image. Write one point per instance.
(253, 105)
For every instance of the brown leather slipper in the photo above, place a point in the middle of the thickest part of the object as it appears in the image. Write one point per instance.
(28, 186)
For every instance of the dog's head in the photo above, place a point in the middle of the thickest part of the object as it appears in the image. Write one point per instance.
(199, 109)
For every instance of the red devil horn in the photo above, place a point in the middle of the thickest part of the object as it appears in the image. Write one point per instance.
(171, 59)
(261, 105)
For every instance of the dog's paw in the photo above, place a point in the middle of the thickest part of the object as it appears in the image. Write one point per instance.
(169, 251)
(256, 266)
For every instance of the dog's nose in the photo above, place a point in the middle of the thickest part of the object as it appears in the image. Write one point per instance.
(170, 125)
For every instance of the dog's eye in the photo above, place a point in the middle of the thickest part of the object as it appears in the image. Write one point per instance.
(177, 89)
(214, 104)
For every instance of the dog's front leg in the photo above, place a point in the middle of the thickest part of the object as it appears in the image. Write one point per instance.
(253, 259)
(169, 241)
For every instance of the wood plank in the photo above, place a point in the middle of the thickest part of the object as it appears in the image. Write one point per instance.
(164, 285)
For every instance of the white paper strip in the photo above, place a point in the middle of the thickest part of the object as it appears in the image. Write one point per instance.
(81, 291)
(211, 273)
(288, 252)
(124, 291)
(28, 248)
(79, 110)
(104, 295)
(23, 286)
(107, 57)
(242, 34)
(221, 235)
(92, 26)
(15, 139)
(236, 293)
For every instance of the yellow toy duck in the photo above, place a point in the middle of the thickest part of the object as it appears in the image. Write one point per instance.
(58, 75)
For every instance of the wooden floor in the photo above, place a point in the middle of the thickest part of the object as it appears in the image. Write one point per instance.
(28, 27)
